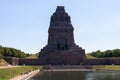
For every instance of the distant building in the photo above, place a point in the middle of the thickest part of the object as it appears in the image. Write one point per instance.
(61, 48)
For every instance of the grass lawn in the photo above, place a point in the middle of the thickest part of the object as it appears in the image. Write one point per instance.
(8, 73)
(107, 67)
(33, 56)
(90, 57)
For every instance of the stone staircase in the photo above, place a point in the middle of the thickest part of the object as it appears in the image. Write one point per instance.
(59, 67)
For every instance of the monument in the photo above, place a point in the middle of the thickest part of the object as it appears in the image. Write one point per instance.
(61, 48)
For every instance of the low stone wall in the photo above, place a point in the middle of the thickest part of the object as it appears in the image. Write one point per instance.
(42, 61)
(32, 61)
(12, 60)
(70, 66)
(102, 61)
(114, 61)
(24, 61)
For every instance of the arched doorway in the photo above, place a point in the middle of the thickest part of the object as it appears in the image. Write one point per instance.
(62, 44)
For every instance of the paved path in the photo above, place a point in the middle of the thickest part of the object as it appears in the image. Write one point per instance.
(25, 76)
(71, 70)
(9, 66)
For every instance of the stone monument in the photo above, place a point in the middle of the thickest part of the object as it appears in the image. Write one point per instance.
(61, 48)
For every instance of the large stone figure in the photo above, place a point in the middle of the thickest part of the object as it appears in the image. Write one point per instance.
(61, 48)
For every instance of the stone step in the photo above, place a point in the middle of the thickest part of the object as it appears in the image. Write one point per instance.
(69, 67)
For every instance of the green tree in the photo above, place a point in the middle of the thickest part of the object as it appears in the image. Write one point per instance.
(116, 53)
(106, 54)
(12, 52)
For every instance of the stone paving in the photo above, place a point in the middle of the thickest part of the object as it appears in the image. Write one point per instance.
(25, 76)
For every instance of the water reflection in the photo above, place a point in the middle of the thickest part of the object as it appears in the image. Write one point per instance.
(103, 75)
(77, 75)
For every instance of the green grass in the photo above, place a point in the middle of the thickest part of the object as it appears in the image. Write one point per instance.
(8, 73)
(90, 57)
(107, 67)
(33, 56)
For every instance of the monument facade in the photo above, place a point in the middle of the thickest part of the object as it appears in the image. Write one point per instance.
(61, 48)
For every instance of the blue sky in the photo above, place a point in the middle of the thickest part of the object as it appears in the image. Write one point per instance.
(24, 23)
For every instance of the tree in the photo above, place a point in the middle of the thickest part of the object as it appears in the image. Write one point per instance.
(116, 52)
(12, 52)
(107, 53)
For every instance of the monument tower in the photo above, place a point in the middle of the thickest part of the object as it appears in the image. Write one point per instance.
(61, 48)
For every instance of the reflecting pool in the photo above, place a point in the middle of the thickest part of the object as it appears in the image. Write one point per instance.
(77, 75)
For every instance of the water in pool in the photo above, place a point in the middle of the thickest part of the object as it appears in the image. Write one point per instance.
(77, 75)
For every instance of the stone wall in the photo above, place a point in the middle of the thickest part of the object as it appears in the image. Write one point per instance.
(42, 61)
(12, 60)
(102, 61)
(114, 61)
(32, 61)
